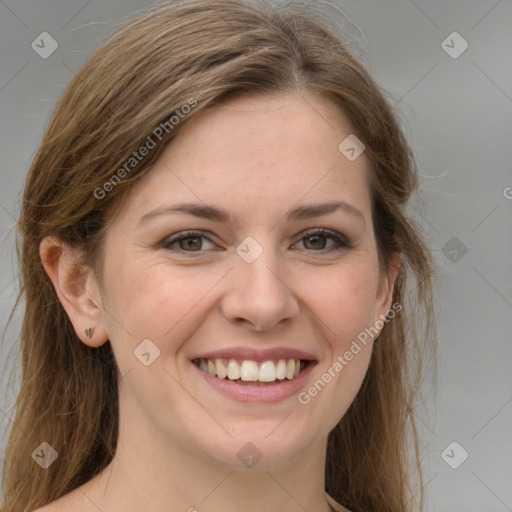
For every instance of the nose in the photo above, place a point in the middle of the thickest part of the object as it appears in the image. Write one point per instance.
(258, 294)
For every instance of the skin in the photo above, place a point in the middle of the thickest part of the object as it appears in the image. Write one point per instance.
(258, 157)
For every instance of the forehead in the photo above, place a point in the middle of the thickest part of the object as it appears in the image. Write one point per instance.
(277, 121)
(258, 150)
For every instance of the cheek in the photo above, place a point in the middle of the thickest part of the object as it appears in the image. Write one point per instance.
(149, 302)
(344, 304)
(344, 300)
(153, 301)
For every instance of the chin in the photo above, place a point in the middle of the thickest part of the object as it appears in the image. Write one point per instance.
(257, 447)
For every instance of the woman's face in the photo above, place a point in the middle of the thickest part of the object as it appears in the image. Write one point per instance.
(263, 278)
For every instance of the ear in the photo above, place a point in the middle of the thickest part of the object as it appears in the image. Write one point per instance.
(386, 287)
(77, 289)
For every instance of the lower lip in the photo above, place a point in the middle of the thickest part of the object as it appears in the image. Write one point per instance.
(269, 393)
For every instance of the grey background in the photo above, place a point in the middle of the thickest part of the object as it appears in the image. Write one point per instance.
(457, 113)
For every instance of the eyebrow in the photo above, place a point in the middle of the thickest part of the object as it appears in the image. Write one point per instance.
(205, 211)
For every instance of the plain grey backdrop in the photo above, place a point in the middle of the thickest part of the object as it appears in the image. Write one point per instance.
(448, 66)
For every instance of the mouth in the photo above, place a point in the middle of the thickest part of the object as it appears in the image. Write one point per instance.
(255, 376)
(249, 372)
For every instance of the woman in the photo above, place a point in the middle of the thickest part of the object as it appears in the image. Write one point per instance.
(212, 240)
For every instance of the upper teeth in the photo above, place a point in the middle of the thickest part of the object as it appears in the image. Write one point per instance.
(267, 371)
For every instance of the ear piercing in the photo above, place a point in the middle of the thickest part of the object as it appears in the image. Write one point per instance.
(89, 332)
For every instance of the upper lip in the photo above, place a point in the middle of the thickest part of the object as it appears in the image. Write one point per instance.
(258, 355)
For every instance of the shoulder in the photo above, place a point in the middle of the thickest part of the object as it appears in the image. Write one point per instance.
(75, 500)
(335, 505)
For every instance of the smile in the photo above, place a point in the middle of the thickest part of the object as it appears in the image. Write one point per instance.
(250, 372)
(255, 375)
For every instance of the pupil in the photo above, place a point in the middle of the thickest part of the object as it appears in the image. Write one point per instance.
(315, 239)
(193, 245)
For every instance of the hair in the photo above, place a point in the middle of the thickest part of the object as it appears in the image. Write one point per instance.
(134, 83)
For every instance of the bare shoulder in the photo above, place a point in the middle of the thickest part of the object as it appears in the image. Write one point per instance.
(75, 501)
(335, 505)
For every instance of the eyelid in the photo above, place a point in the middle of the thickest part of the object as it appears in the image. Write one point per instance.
(341, 240)
(191, 233)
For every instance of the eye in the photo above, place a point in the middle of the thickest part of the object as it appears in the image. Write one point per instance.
(316, 240)
(191, 241)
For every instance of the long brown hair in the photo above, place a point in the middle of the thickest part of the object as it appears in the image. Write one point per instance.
(207, 52)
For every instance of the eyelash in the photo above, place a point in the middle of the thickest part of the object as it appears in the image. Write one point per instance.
(342, 244)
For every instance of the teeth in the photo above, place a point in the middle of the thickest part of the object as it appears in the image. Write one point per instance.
(290, 369)
(221, 369)
(268, 372)
(233, 369)
(251, 371)
(281, 369)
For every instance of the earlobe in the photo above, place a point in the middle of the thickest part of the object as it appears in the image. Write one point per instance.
(77, 289)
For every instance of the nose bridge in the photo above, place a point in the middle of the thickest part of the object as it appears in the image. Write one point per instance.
(258, 291)
(258, 268)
